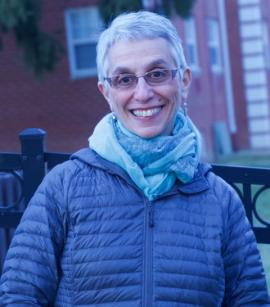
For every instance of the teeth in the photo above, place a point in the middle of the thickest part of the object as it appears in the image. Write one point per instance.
(145, 113)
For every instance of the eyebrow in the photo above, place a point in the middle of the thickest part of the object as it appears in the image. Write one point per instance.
(121, 69)
(157, 62)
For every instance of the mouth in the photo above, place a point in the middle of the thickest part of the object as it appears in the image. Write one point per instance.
(147, 112)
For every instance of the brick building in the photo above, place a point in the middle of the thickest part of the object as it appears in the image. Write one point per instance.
(223, 94)
(249, 28)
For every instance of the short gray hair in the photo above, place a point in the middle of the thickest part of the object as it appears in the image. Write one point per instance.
(135, 26)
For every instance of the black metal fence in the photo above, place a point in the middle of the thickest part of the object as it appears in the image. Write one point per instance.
(21, 173)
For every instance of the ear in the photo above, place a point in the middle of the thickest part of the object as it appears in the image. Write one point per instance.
(186, 81)
(105, 91)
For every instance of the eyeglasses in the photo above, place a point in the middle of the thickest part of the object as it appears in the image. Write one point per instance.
(155, 77)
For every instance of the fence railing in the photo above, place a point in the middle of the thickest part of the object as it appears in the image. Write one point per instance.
(28, 168)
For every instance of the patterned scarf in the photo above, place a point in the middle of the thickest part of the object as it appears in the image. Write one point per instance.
(153, 164)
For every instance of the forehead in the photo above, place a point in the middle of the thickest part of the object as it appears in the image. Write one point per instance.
(139, 55)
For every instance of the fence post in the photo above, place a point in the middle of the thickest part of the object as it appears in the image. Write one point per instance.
(32, 147)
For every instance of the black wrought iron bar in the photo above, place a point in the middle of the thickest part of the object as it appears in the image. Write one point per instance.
(247, 199)
(10, 219)
(262, 234)
(242, 174)
(54, 158)
(10, 161)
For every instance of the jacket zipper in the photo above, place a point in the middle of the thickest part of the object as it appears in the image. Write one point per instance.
(148, 256)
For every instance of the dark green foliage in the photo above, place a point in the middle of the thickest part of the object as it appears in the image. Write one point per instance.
(41, 51)
(110, 9)
(184, 7)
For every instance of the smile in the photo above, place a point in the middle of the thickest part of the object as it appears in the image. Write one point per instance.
(146, 113)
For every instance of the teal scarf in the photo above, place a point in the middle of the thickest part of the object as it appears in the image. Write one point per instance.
(153, 164)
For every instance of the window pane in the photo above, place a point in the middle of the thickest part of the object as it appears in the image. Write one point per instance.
(190, 29)
(213, 56)
(214, 43)
(191, 42)
(85, 56)
(76, 24)
(191, 55)
(85, 23)
(210, 30)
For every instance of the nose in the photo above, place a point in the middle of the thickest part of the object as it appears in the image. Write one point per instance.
(143, 91)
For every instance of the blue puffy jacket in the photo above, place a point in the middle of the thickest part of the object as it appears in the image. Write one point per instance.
(89, 237)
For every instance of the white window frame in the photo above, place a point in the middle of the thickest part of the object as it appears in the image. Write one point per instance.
(86, 14)
(214, 43)
(191, 43)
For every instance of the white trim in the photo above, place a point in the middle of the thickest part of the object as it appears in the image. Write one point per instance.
(246, 2)
(258, 109)
(252, 30)
(253, 62)
(250, 13)
(227, 68)
(257, 125)
(252, 46)
(260, 141)
(255, 78)
(256, 93)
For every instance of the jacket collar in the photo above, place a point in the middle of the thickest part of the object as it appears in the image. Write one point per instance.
(197, 185)
(199, 182)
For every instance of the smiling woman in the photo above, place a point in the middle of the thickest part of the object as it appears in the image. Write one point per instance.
(136, 219)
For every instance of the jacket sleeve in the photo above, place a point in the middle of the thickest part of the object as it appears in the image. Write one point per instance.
(31, 269)
(245, 283)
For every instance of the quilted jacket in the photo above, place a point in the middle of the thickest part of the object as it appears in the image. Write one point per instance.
(89, 237)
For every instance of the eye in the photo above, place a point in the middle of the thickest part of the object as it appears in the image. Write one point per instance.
(158, 74)
(125, 80)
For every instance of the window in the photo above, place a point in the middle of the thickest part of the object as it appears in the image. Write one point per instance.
(191, 43)
(214, 45)
(266, 44)
(83, 27)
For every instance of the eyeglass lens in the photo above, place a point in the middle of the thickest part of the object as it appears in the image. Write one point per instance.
(152, 78)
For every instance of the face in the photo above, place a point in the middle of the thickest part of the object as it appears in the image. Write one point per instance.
(145, 110)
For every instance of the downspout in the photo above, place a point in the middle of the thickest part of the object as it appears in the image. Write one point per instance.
(227, 68)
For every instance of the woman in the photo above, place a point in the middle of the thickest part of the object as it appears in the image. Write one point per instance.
(136, 219)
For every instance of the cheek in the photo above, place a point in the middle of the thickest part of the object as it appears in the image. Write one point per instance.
(171, 92)
(117, 101)
(174, 97)
(175, 103)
